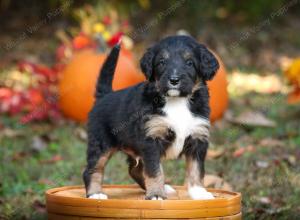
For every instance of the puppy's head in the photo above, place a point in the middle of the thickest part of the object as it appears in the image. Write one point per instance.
(177, 63)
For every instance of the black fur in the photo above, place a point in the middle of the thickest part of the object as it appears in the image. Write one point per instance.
(104, 84)
(117, 120)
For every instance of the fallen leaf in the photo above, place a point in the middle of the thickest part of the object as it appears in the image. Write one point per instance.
(253, 119)
(271, 142)
(11, 133)
(240, 151)
(214, 153)
(81, 133)
(39, 206)
(264, 200)
(213, 181)
(262, 164)
(54, 159)
(277, 162)
(19, 155)
(46, 182)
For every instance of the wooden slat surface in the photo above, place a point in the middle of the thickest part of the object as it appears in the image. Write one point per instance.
(128, 202)
(52, 216)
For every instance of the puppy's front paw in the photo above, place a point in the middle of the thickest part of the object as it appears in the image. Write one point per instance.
(155, 196)
(199, 193)
(98, 196)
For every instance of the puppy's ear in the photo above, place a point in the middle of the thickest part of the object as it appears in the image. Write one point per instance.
(146, 64)
(208, 63)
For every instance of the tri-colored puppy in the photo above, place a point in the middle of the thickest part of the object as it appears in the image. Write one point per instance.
(165, 117)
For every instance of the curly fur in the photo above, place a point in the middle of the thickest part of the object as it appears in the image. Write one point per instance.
(120, 120)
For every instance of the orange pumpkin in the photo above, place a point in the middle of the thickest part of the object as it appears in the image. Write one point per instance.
(78, 80)
(218, 93)
(293, 76)
(77, 85)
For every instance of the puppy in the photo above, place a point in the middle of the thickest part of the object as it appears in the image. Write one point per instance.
(165, 117)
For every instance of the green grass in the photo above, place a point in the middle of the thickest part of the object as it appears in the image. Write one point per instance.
(24, 180)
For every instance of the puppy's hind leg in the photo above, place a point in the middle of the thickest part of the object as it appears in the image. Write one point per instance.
(135, 170)
(93, 174)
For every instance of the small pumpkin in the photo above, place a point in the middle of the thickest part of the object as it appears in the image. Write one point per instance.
(78, 79)
(77, 84)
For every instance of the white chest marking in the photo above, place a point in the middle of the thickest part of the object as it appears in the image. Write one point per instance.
(183, 123)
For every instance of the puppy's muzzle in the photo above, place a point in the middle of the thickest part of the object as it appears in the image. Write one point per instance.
(174, 81)
(173, 85)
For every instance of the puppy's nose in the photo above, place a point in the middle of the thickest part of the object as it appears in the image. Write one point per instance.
(174, 80)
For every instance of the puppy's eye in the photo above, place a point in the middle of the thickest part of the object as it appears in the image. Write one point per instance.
(162, 62)
(189, 62)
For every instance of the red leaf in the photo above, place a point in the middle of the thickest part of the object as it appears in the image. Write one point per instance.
(114, 39)
(5, 93)
(60, 53)
(15, 103)
(58, 67)
(125, 24)
(240, 151)
(42, 70)
(106, 20)
(26, 66)
(35, 97)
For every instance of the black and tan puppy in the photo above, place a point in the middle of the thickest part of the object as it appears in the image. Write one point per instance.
(165, 117)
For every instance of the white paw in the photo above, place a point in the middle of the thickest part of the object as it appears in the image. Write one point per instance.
(199, 193)
(156, 198)
(169, 189)
(98, 196)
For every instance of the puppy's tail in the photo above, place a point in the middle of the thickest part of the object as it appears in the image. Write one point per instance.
(104, 84)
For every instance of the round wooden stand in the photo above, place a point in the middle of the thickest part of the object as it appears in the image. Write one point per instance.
(127, 202)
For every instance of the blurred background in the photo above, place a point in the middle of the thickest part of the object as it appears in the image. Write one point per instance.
(50, 54)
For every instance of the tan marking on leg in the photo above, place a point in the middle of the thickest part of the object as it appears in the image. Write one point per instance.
(155, 185)
(156, 127)
(95, 185)
(194, 181)
(193, 175)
